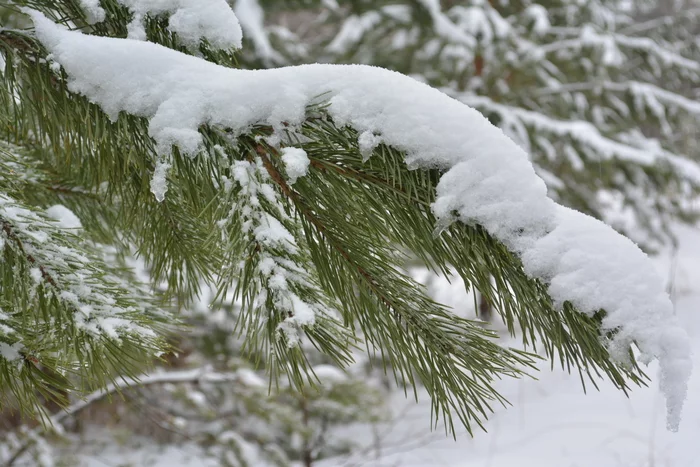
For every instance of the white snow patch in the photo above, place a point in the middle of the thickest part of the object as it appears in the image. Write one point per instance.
(252, 19)
(367, 143)
(198, 398)
(64, 217)
(271, 232)
(11, 352)
(296, 163)
(539, 17)
(250, 378)
(488, 179)
(330, 374)
(93, 11)
(36, 275)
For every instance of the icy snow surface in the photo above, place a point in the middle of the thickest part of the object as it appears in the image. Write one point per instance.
(159, 183)
(488, 179)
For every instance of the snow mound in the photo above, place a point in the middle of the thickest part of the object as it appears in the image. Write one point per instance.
(488, 179)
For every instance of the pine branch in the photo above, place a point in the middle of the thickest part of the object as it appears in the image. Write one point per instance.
(317, 253)
(47, 282)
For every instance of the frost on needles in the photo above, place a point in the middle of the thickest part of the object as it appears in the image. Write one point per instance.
(487, 179)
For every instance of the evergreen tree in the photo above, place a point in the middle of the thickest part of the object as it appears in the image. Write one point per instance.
(302, 193)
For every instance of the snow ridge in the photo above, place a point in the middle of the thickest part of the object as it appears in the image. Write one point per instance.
(488, 178)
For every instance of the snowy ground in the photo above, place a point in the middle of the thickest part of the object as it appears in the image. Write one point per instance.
(552, 422)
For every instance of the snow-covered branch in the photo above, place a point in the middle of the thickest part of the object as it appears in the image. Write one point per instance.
(637, 88)
(613, 42)
(196, 375)
(192, 20)
(488, 180)
(587, 135)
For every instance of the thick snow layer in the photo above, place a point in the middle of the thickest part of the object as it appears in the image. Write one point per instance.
(488, 179)
(191, 20)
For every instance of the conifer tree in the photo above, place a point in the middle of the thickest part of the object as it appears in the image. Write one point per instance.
(301, 192)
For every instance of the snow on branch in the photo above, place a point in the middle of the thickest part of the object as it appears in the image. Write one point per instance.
(488, 179)
(101, 303)
(641, 91)
(197, 375)
(444, 27)
(191, 20)
(612, 43)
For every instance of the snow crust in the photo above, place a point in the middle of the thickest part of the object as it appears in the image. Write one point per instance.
(191, 20)
(488, 178)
